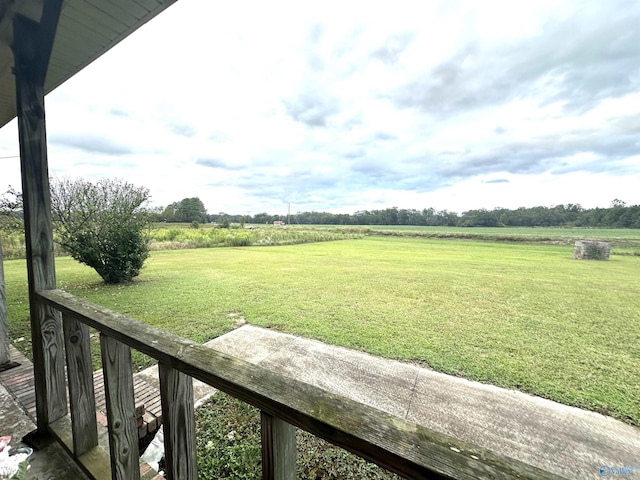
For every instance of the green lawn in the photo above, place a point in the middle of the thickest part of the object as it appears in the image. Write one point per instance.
(524, 316)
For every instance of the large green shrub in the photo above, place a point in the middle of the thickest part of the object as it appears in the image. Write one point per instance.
(102, 225)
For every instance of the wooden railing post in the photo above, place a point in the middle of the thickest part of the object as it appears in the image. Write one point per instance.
(82, 400)
(31, 45)
(176, 392)
(278, 448)
(121, 412)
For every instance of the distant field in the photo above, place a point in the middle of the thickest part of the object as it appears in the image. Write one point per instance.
(174, 236)
(535, 232)
(623, 241)
(526, 231)
(518, 315)
(551, 232)
(170, 237)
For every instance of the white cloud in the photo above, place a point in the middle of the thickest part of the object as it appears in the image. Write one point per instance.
(348, 106)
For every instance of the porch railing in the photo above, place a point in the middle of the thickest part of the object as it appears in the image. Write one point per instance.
(405, 448)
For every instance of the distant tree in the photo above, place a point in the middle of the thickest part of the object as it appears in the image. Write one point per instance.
(263, 218)
(404, 217)
(223, 221)
(618, 216)
(11, 221)
(446, 218)
(155, 214)
(429, 215)
(479, 218)
(11, 216)
(389, 216)
(169, 213)
(190, 209)
(360, 217)
(102, 225)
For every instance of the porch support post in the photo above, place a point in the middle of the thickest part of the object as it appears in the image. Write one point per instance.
(4, 327)
(32, 44)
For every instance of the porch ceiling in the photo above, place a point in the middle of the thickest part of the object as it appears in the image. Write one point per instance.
(87, 29)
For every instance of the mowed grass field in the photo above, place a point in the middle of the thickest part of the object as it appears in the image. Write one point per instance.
(623, 241)
(559, 232)
(523, 316)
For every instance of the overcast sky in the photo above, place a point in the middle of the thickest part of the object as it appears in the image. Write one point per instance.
(346, 106)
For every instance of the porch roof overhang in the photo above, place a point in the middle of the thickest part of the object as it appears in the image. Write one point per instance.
(86, 30)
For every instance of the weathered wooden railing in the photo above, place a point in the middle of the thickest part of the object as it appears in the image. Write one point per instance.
(408, 449)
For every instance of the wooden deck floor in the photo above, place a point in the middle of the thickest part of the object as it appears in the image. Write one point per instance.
(19, 382)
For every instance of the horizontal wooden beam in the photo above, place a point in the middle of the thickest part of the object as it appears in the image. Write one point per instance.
(403, 447)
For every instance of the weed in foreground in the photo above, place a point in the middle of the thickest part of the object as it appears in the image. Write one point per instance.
(228, 447)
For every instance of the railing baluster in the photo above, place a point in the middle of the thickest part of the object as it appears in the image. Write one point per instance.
(176, 392)
(46, 333)
(121, 413)
(278, 448)
(80, 377)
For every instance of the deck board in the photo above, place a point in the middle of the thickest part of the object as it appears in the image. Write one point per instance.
(20, 383)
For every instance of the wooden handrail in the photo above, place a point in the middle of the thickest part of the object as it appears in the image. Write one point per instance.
(403, 447)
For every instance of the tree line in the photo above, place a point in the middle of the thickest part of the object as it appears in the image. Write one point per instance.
(618, 215)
